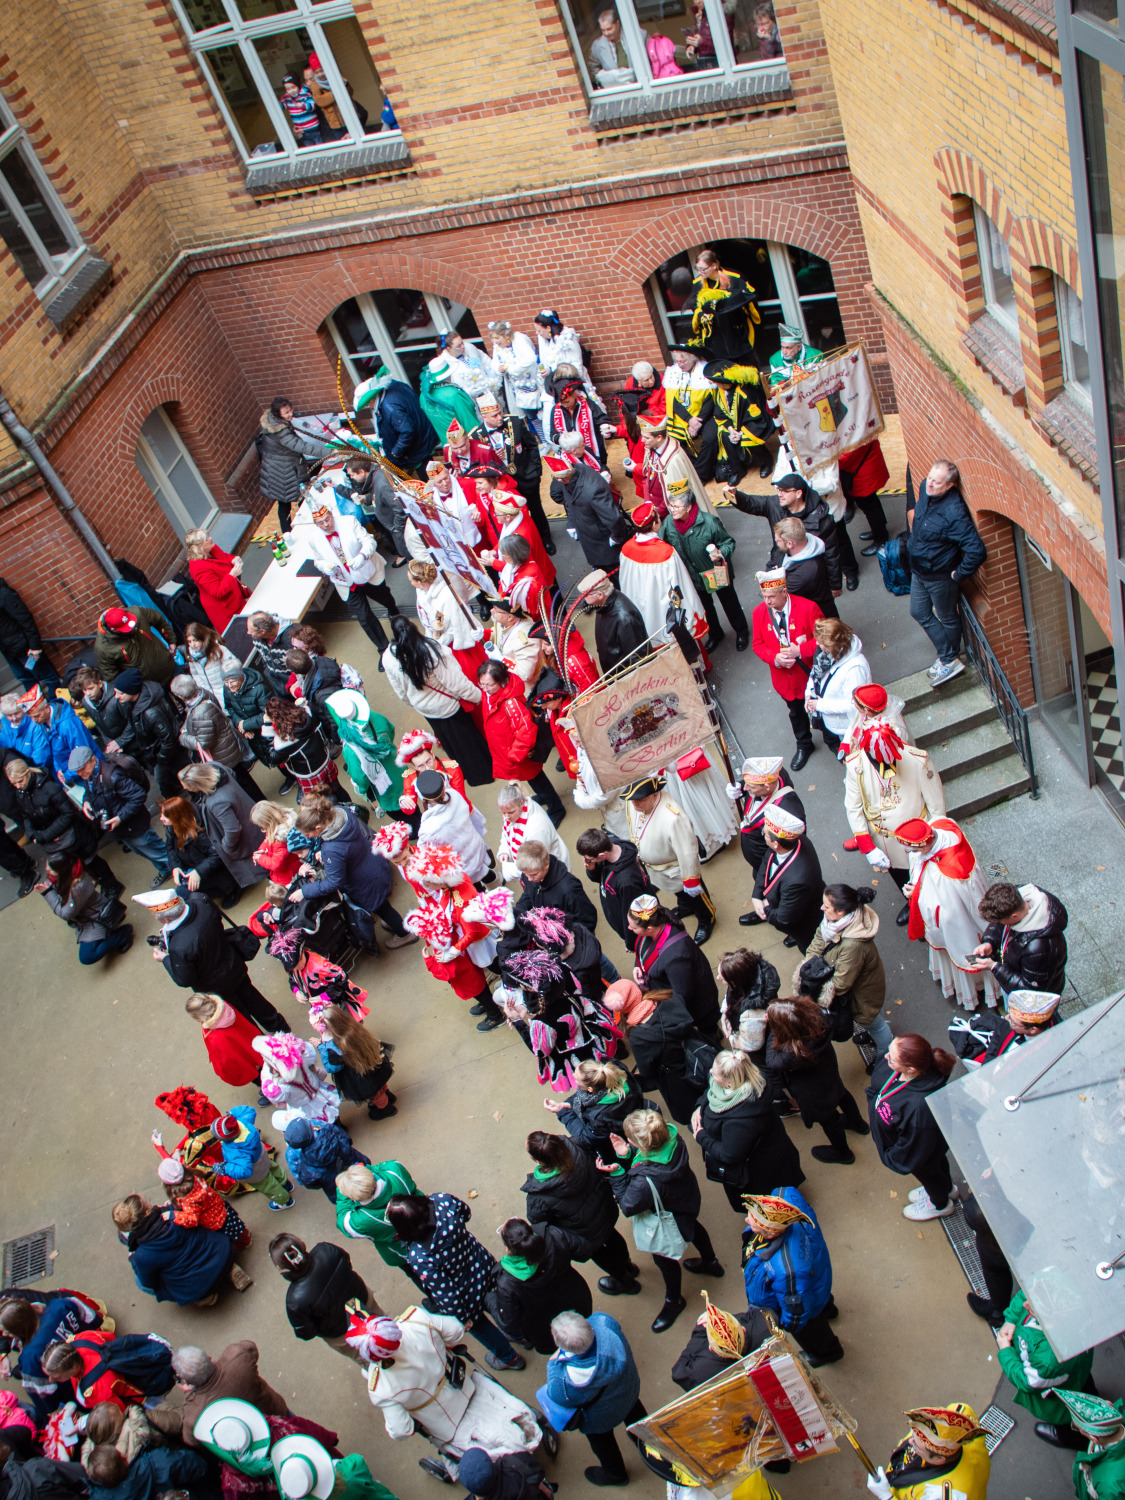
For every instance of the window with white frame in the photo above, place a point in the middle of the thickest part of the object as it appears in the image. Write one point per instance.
(791, 285)
(171, 474)
(291, 76)
(996, 272)
(1072, 340)
(33, 223)
(648, 44)
(398, 326)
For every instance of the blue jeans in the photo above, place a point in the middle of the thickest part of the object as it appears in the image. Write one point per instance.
(486, 1332)
(933, 605)
(152, 846)
(609, 973)
(879, 1030)
(115, 942)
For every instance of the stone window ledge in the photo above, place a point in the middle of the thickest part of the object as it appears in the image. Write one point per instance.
(1068, 425)
(694, 97)
(266, 175)
(998, 354)
(66, 305)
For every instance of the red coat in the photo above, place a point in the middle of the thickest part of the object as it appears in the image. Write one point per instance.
(868, 469)
(528, 587)
(220, 593)
(510, 731)
(479, 454)
(278, 861)
(231, 1055)
(581, 668)
(527, 528)
(790, 682)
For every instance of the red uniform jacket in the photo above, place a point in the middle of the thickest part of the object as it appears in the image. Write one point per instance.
(510, 731)
(790, 682)
(220, 593)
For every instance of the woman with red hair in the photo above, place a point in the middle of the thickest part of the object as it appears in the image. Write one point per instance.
(906, 1135)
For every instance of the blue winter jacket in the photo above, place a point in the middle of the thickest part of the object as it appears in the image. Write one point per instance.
(404, 429)
(174, 1264)
(943, 537)
(240, 1157)
(29, 740)
(352, 867)
(792, 1275)
(603, 1383)
(60, 1319)
(328, 1154)
(156, 1470)
(65, 731)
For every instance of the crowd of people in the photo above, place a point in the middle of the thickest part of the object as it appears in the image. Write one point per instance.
(156, 743)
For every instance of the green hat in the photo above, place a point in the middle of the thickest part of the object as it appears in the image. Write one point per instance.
(1091, 1414)
(789, 333)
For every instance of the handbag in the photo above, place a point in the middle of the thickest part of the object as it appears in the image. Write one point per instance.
(691, 764)
(716, 578)
(244, 942)
(656, 1230)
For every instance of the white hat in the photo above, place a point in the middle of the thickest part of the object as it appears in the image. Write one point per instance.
(489, 401)
(303, 1468)
(762, 765)
(771, 578)
(782, 824)
(234, 1426)
(439, 367)
(346, 703)
(162, 904)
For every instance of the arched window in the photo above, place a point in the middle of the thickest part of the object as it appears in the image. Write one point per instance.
(792, 286)
(402, 325)
(996, 272)
(171, 474)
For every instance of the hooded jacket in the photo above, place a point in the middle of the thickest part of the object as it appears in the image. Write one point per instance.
(856, 964)
(174, 1264)
(910, 1137)
(316, 1298)
(527, 1297)
(812, 511)
(1032, 954)
(368, 1221)
(114, 650)
(619, 884)
(65, 731)
(350, 864)
(317, 1157)
(675, 1181)
(225, 815)
(511, 732)
(149, 729)
(281, 449)
(153, 1472)
(560, 889)
(806, 575)
(48, 814)
(791, 1276)
(578, 1204)
(743, 1025)
(247, 706)
(602, 1383)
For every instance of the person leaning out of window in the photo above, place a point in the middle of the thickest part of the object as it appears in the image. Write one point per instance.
(945, 549)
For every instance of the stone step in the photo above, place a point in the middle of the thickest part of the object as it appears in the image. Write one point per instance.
(943, 718)
(963, 753)
(917, 691)
(999, 781)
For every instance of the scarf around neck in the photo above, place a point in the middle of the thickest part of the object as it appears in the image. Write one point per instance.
(720, 1098)
(684, 523)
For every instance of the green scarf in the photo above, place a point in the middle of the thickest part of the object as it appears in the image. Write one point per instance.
(662, 1154)
(721, 1099)
(515, 1265)
(544, 1174)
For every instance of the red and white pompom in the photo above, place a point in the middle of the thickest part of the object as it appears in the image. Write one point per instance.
(491, 908)
(436, 865)
(431, 922)
(412, 742)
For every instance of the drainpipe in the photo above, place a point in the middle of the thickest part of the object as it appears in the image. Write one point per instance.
(54, 483)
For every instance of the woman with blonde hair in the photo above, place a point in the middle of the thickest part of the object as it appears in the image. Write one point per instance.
(838, 668)
(196, 863)
(209, 661)
(652, 1171)
(744, 1143)
(604, 1096)
(216, 575)
(357, 1062)
(228, 1036)
(223, 807)
(273, 854)
(446, 617)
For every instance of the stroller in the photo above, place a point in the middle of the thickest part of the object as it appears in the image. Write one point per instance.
(329, 925)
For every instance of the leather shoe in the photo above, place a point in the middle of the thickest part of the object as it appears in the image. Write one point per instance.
(790, 941)
(550, 549)
(1058, 1437)
(614, 1288)
(816, 1360)
(700, 1267)
(668, 1315)
(984, 1309)
(903, 917)
(742, 640)
(865, 536)
(603, 1477)
(702, 932)
(852, 582)
(750, 919)
(714, 638)
(871, 550)
(851, 844)
(765, 468)
(801, 758)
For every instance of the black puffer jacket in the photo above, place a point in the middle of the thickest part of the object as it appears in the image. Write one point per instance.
(524, 1307)
(675, 1181)
(562, 890)
(589, 1118)
(314, 1303)
(149, 730)
(578, 1204)
(814, 1081)
(619, 885)
(750, 1144)
(18, 631)
(48, 815)
(1033, 960)
(698, 1363)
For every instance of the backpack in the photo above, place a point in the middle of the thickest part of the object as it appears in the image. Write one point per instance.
(128, 767)
(698, 1057)
(143, 1359)
(894, 564)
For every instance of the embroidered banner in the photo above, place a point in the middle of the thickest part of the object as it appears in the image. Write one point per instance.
(441, 532)
(832, 408)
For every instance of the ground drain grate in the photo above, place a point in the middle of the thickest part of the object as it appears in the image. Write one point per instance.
(964, 1244)
(997, 1424)
(28, 1258)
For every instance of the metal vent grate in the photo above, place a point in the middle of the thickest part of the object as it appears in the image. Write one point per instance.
(29, 1258)
(997, 1424)
(964, 1244)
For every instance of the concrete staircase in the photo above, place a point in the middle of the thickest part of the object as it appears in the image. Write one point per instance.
(968, 743)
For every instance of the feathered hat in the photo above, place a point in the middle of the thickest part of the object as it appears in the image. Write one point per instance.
(534, 969)
(547, 926)
(284, 1052)
(412, 743)
(372, 1338)
(880, 742)
(492, 908)
(431, 922)
(726, 1336)
(391, 840)
(436, 865)
(187, 1107)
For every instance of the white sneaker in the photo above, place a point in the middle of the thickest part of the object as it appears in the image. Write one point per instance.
(915, 1195)
(951, 669)
(924, 1209)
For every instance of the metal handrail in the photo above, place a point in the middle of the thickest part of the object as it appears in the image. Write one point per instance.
(999, 689)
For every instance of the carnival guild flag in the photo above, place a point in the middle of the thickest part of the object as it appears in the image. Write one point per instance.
(832, 408)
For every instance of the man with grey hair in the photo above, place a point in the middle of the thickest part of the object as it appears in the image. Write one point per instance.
(232, 1377)
(945, 549)
(594, 1373)
(20, 734)
(596, 519)
(207, 728)
(524, 821)
(114, 800)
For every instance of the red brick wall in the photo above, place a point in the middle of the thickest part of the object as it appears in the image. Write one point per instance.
(939, 422)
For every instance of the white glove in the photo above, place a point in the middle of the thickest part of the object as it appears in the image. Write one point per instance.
(733, 791)
(877, 859)
(879, 1485)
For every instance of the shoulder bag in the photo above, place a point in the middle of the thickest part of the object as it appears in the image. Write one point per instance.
(655, 1229)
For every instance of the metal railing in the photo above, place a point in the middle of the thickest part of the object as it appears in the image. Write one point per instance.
(999, 689)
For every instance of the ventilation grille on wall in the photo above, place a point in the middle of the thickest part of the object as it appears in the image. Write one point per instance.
(29, 1258)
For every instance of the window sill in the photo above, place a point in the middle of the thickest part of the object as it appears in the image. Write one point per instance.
(1068, 425)
(674, 101)
(997, 355)
(66, 304)
(266, 175)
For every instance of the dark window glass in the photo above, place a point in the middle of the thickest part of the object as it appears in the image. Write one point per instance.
(1104, 11)
(13, 235)
(44, 221)
(203, 14)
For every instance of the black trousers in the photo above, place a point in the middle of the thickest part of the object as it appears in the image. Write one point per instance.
(529, 489)
(997, 1273)
(701, 907)
(799, 719)
(166, 773)
(359, 609)
(872, 508)
(242, 775)
(15, 860)
(845, 1117)
(936, 1178)
(703, 450)
(252, 1004)
(546, 796)
(732, 608)
(849, 563)
(390, 919)
(604, 1444)
(817, 1337)
(671, 1269)
(612, 1256)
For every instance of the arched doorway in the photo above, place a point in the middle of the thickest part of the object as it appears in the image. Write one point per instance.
(400, 324)
(792, 286)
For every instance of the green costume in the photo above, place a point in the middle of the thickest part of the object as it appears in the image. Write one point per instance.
(358, 1481)
(369, 749)
(781, 368)
(368, 1221)
(1030, 1363)
(444, 403)
(692, 545)
(1098, 1474)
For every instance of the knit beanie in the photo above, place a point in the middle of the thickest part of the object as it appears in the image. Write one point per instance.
(129, 682)
(170, 1170)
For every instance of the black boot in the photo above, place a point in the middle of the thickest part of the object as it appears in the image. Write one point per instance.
(1060, 1437)
(493, 1015)
(668, 1314)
